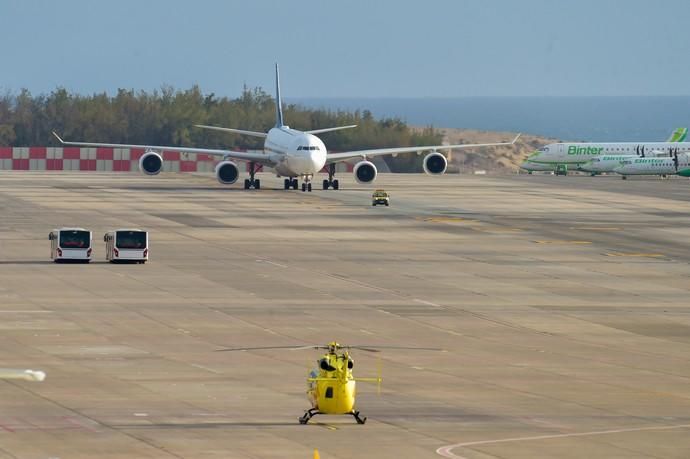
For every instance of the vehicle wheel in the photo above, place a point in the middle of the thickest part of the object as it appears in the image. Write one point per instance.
(309, 187)
(373, 204)
(304, 187)
(246, 184)
(336, 184)
(257, 184)
(386, 204)
(625, 177)
(325, 184)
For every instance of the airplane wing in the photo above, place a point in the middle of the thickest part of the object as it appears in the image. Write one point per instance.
(364, 154)
(260, 158)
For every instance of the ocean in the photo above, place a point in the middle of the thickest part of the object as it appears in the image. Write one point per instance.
(595, 119)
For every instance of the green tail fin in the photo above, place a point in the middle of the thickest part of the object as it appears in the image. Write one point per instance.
(678, 135)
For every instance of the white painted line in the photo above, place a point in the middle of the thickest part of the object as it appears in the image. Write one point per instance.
(272, 263)
(428, 303)
(201, 367)
(25, 311)
(367, 332)
(141, 414)
(446, 451)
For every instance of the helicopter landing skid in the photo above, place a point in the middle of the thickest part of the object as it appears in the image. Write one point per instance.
(308, 415)
(360, 420)
(313, 412)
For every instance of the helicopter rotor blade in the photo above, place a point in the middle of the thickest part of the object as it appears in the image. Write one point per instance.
(379, 348)
(266, 348)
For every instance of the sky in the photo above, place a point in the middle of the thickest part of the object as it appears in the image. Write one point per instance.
(354, 48)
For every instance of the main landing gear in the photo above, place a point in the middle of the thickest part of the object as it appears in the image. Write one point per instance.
(251, 182)
(330, 182)
(313, 412)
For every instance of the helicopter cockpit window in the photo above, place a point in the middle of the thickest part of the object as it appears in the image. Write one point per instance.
(329, 392)
(325, 366)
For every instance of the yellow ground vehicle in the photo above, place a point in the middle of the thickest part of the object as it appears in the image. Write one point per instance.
(380, 197)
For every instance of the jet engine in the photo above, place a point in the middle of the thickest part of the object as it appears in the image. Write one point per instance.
(227, 172)
(151, 163)
(435, 163)
(365, 172)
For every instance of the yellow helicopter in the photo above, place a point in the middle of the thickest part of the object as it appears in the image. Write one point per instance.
(331, 385)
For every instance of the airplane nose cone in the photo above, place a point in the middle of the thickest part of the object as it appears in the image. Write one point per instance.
(318, 160)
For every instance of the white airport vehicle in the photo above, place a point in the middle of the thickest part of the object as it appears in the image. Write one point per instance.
(129, 245)
(677, 164)
(577, 154)
(70, 244)
(26, 375)
(293, 154)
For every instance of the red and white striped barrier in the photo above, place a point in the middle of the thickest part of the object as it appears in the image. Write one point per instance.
(106, 160)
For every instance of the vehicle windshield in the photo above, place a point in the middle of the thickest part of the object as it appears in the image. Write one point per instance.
(130, 239)
(75, 239)
(380, 194)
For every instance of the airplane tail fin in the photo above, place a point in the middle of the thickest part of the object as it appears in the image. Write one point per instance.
(279, 101)
(678, 135)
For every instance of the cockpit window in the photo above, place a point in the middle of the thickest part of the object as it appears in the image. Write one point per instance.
(544, 149)
(308, 147)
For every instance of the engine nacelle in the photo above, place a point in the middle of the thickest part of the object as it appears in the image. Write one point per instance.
(227, 172)
(365, 172)
(435, 163)
(151, 163)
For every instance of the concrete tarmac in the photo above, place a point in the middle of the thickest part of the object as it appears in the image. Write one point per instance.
(563, 304)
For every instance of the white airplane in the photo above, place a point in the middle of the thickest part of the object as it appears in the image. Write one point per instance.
(292, 153)
(577, 154)
(26, 375)
(676, 164)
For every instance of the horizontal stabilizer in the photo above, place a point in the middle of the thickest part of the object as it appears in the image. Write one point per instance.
(321, 131)
(234, 131)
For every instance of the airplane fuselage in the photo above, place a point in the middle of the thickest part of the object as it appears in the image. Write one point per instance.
(295, 153)
(578, 153)
(655, 166)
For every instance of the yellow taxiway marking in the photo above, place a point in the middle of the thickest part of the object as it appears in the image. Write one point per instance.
(446, 220)
(327, 426)
(596, 228)
(634, 254)
(563, 242)
(502, 230)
